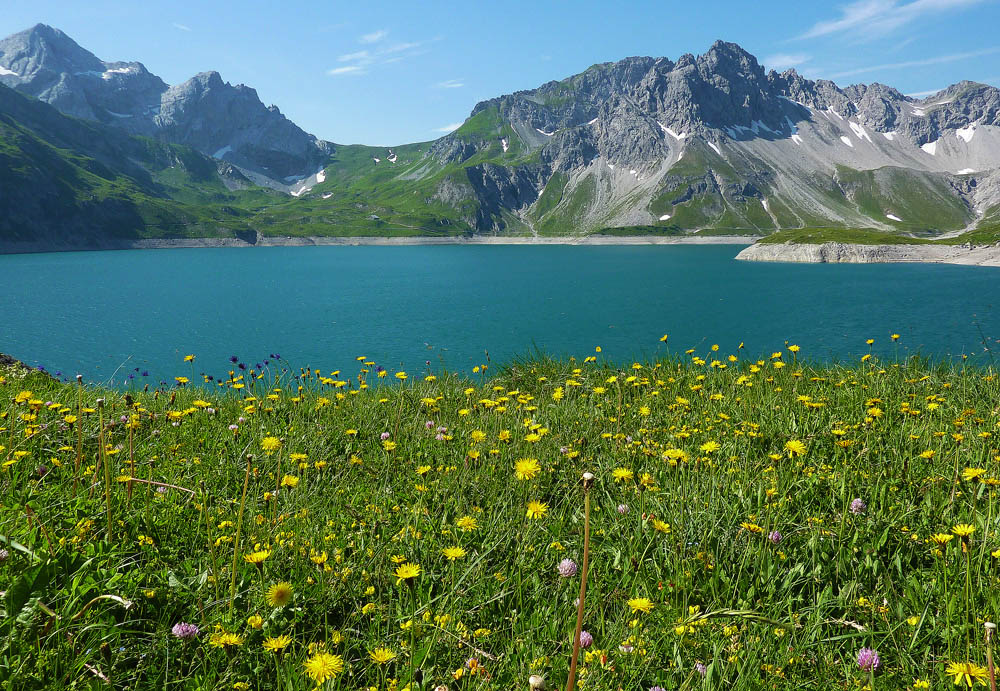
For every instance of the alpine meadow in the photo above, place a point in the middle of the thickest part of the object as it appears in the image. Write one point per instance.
(577, 392)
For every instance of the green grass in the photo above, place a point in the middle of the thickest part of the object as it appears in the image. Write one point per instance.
(857, 236)
(723, 496)
(638, 231)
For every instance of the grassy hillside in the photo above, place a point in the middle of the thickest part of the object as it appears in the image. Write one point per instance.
(754, 524)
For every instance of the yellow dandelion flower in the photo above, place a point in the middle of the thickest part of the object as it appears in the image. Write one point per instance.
(407, 572)
(537, 509)
(453, 553)
(526, 468)
(641, 604)
(279, 594)
(381, 656)
(795, 448)
(967, 673)
(323, 666)
(276, 644)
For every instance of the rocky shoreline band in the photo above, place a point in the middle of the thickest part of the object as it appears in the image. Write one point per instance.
(846, 253)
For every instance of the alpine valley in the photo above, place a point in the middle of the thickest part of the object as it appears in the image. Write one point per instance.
(97, 154)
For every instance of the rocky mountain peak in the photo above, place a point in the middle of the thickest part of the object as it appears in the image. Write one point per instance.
(43, 47)
(729, 60)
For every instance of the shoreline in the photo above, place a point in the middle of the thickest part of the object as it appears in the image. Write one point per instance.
(846, 253)
(318, 241)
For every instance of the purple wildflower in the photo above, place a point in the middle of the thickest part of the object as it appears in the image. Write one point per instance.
(384, 436)
(657, 688)
(567, 568)
(858, 506)
(586, 640)
(868, 660)
(185, 631)
(429, 424)
(701, 668)
(774, 537)
(623, 509)
(4, 554)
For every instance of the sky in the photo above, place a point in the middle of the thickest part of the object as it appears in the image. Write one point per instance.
(386, 73)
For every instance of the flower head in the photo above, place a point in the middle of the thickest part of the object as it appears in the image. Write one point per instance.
(858, 506)
(407, 572)
(586, 640)
(526, 468)
(185, 631)
(276, 644)
(567, 568)
(453, 553)
(641, 604)
(279, 594)
(967, 673)
(868, 660)
(381, 656)
(323, 666)
(537, 509)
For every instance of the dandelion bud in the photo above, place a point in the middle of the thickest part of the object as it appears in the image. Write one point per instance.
(588, 480)
(990, 628)
(100, 402)
(536, 682)
(79, 378)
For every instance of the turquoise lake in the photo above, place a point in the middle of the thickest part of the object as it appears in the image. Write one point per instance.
(108, 315)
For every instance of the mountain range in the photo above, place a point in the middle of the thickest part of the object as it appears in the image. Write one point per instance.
(96, 153)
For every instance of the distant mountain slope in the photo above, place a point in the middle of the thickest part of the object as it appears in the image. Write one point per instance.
(70, 183)
(205, 112)
(712, 144)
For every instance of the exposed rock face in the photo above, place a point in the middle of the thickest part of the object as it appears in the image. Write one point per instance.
(772, 149)
(204, 112)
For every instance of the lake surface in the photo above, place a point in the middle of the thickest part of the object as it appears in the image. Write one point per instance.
(108, 314)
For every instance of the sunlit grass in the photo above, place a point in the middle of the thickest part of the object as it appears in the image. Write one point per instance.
(754, 524)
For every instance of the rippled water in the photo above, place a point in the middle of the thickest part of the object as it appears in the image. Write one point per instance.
(109, 314)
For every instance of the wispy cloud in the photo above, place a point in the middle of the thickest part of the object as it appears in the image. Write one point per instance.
(352, 57)
(380, 53)
(349, 69)
(448, 128)
(450, 84)
(923, 94)
(954, 57)
(782, 61)
(182, 27)
(373, 37)
(872, 18)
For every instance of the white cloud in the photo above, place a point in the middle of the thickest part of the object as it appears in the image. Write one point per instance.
(448, 128)
(923, 94)
(400, 47)
(349, 69)
(782, 61)
(352, 57)
(182, 27)
(954, 57)
(373, 37)
(872, 18)
(450, 84)
(377, 55)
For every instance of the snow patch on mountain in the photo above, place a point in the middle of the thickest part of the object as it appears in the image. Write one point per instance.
(847, 140)
(669, 131)
(930, 147)
(893, 217)
(859, 131)
(966, 133)
(4, 72)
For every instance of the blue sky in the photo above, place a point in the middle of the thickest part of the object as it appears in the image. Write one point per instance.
(388, 73)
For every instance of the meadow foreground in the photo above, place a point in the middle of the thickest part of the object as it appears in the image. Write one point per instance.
(755, 524)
